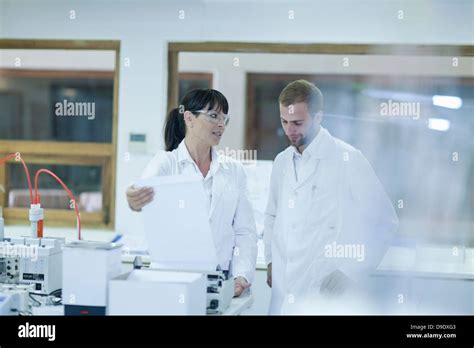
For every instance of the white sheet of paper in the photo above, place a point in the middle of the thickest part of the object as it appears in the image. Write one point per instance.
(177, 224)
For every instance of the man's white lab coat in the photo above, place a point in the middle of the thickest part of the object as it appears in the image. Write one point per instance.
(314, 224)
(230, 215)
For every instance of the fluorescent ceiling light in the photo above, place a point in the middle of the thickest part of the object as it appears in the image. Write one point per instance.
(439, 124)
(447, 101)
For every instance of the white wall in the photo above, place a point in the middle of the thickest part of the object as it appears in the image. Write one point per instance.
(58, 59)
(144, 28)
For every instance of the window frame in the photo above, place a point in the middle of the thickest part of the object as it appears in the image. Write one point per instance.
(67, 153)
(174, 48)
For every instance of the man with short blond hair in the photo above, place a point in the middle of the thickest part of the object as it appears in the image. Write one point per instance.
(328, 219)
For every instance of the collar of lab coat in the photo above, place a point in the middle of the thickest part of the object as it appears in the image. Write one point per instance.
(315, 152)
(216, 159)
(218, 181)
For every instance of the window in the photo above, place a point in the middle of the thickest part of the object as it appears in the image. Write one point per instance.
(407, 153)
(59, 110)
(189, 81)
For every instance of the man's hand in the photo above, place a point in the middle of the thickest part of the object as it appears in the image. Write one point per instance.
(335, 283)
(240, 284)
(269, 274)
(139, 197)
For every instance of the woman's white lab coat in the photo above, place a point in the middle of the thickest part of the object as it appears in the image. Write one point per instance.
(337, 201)
(231, 214)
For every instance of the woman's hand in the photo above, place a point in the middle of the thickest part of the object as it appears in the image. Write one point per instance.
(139, 197)
(240, 284)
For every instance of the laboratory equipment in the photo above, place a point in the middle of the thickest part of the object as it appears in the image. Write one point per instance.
(9, 268)
(19, 301)
(220, 291)
(6, 304)
(87, 268)
(36, 261)
(158, 292)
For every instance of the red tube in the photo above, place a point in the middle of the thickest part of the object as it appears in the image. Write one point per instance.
(17, 155)
(39, 226)
(37, 197)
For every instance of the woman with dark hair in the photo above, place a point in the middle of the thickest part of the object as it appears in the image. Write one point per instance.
(191, 132)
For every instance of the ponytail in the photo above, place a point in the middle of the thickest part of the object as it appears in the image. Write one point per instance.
(175, 129)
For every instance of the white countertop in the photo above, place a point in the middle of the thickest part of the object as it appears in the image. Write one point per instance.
(237, 306)
(429, 261)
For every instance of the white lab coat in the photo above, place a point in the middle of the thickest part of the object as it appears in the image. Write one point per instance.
(230, 215)
(337, 200)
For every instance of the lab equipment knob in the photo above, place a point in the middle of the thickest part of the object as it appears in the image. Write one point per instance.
(214, 304)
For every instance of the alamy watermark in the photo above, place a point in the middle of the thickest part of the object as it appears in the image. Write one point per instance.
(248, 157)
(73, 109)
(403, 109)
(21, 251)
(346, 251)
(28, 330)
